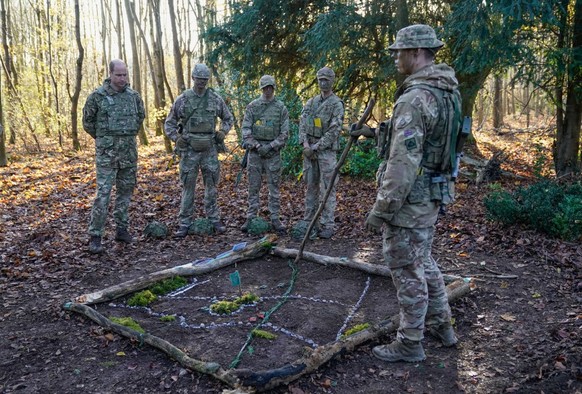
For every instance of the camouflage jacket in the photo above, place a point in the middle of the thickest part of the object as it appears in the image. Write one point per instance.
(266, 121)
(404, 197)
(216, 108)
(321, 122)
(113, 119)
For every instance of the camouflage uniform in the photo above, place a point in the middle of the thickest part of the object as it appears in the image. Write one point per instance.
(265, 124)
(407, 201)
(113, 119)
(320, 125)
(197, 146)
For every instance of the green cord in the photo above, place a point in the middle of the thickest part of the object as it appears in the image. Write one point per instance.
(251, 334)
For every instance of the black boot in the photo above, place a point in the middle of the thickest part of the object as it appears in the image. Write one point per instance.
(95, 246)
(122, 235)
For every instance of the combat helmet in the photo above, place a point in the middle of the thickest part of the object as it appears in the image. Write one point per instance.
(267, 80)
(326, 73)
(200, 70)
(416, 36)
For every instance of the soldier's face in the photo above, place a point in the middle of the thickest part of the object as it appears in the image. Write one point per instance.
(118, 77)
(200, 84)
(324, 84)
(268, 92)
(404, 59)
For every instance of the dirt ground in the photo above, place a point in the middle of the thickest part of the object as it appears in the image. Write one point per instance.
(520, 328)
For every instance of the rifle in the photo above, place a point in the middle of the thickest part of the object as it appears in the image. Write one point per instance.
(175, 153)
(462, 137)
(243, 164)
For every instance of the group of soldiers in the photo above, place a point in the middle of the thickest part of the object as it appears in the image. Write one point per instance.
(414, 179)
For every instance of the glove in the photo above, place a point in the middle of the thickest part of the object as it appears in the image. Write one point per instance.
(219, 136)
(181, 142)
(374, 223)
(264, 150)
(365, 131)
(309, 153)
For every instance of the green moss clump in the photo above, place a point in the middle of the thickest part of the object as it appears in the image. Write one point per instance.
(168, 318)
(264, 334)
(224, 307)
(143, 298)
(247, 298)
(168, 285)
(355, 329)
(128, 322)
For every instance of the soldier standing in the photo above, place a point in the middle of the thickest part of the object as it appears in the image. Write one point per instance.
(112, 115)
(319, 129)
(191, 124)
(265, 129)
(413, 182)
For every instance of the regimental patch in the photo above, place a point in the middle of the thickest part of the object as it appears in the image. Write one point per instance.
(408, 133)
(410, 143)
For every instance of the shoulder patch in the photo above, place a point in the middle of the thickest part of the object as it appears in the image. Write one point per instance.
(410, 144)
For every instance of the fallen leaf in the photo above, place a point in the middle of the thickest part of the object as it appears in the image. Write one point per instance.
(508, 317)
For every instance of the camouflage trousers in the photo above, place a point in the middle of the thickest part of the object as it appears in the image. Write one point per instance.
(317, 174)
(124, 180)
(271, 167)
(190, 163)
(420, 287)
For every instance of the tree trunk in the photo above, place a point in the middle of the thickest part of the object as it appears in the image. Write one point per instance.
(8, 64)
(497, 102)
(78, 80)
(177, 53)
(136, 69)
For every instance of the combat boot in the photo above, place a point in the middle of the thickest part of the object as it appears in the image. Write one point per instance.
(400, 350)
(245, 227)
(181, 232)
(278, 226)
(325, 233)
(446, 334)
(95, 246)
(219, 227)
(122, 235)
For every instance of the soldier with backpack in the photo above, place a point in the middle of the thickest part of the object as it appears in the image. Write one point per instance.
(413, 182)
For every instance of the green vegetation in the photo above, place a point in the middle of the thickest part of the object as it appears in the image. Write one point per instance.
(264, 334)
(168, 318)
(143, 298)
(146, 297)
(546, 206)
(226, 307)
(128, 322)
(355, 329)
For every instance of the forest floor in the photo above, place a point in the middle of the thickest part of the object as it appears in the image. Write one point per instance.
(520, 328)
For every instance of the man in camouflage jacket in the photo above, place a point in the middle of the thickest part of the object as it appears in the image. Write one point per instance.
(113, 115)
(414, 181)
(319, 128)
(191, 124)
(265, 129)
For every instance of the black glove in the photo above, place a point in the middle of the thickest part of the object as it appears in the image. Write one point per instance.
(365, 131)
(182, 142)
(309, 153)
(264, 150)
(219, 136)
(374, 223)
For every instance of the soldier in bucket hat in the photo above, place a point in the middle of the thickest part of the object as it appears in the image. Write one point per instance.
(414, 181)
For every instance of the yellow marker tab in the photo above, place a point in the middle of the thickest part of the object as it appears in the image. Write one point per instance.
(258, 122)
(317, 122)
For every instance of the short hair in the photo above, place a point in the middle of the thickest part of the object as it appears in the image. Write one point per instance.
(113, 63)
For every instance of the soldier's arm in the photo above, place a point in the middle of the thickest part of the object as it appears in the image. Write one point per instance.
(171, 123)
(247, 128)
(226, 118)
(140, 109)
(403, 163)
(332, 133)
(281, 140)
(302, 123)
(90, 115)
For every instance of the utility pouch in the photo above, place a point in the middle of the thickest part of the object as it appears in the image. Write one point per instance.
(200, 142)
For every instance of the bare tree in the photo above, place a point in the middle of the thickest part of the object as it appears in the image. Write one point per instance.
(177, 52)
(10, 71)
(78, 79)
(497, 102)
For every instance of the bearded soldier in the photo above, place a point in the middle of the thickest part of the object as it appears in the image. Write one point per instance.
(191, 123)
(319, 129)
(414, 180)
(265, 129)
(113, 115)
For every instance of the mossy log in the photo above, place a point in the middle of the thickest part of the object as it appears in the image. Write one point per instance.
(248, 252)
(268, 379)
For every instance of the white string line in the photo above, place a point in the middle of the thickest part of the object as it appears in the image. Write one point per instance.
(353, 310)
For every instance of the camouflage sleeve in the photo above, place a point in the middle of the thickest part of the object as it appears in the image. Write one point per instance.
(140, 109)
(227, 120)
(331, 135)
(247, 126)
(171, 123)
(404, 161)
(90, 115)
(279, 142)
(302, 122)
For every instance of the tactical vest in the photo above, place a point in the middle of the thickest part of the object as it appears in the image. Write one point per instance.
(199, 119)
(439, 146)
(319, 115)
(267, 120)
(118, 113)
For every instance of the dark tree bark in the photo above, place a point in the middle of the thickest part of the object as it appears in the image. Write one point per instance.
(78, 80)
(177, 53)
(497, 102)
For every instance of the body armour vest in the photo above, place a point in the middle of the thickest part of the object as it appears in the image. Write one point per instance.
(320, 114)
(118, 113)
(199, 112)
(267, 120)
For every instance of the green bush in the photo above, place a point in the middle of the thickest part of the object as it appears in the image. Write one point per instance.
(546, 206)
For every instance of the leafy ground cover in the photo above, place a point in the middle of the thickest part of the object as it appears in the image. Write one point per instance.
(519, 329)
